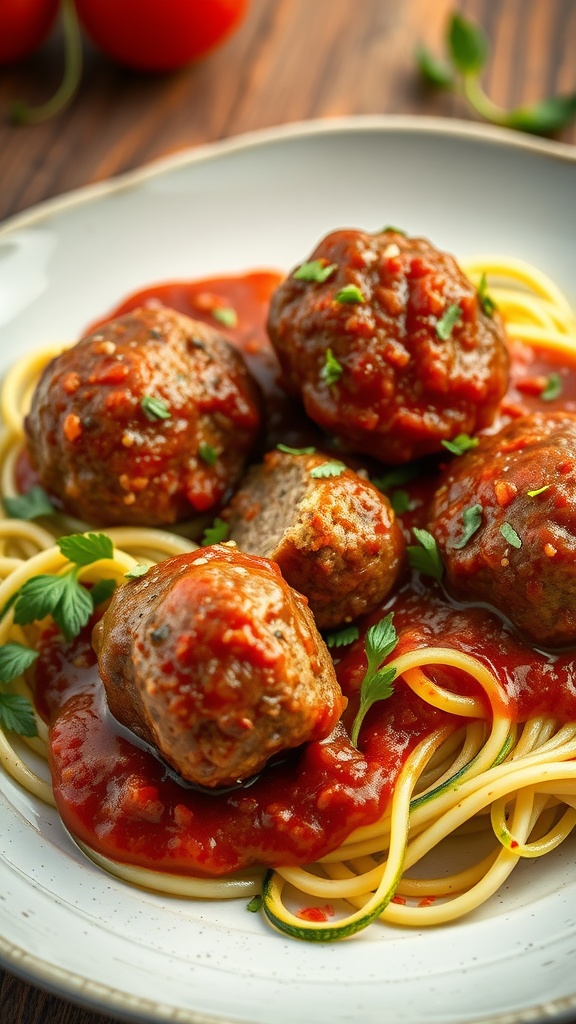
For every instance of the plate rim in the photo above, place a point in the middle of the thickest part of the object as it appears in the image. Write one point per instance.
(67, 984)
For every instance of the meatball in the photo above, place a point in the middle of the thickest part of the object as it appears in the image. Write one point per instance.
(216, 661)
(504, 517)
(390, 351)
(335, 538)
(146, 421)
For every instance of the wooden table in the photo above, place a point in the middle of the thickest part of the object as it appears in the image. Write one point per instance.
(291, 60)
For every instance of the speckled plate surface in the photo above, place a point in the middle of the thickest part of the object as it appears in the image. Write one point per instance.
(256, 202)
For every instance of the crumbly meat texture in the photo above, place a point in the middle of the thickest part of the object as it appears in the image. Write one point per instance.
(409, 379)
(216, 661)
(336, 539)
(111, 456)
(521, 559)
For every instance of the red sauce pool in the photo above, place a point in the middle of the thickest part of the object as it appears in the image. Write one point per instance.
(120, 799)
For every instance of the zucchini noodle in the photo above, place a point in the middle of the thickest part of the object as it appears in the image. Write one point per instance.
(482, 773)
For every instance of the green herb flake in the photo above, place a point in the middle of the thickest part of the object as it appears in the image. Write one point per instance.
(295, 451)
(510, 535)
(138, 570)
(381, 640)
(154, 408)
(471, 521)
(14, 660)
(316, 270)
(254, 905)
(225, 315)
(215, 534)
(331, 468)
(400, 501)
(350, 294)
(397, 477)
(102, 591)
(553, 388)
(393, 230)
(448, 321)
(460, 444)
(208, 454)
(486, 301)
(425, 556)
(342, 637)
(332, 369)
(539, 490)
(86, 548)
(31, 505)
(17, 715)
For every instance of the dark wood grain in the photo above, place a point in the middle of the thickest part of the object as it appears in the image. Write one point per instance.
(291, 60)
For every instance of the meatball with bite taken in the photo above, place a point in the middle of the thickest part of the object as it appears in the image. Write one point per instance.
(504, 518)
(388, 345)
(146, 421)
(216, 661)
(335, 537)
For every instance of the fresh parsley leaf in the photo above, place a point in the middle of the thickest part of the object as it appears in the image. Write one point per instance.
(448, 321)
(30, 505)
(14, 660)
(208, 454)
(74, 608)
(331, 468)
(225, 315)
(471, 521)
(539, 490)
(553, 388)
(392, 228)
(332, 369)
(425, 556)
(17, 715)
(295, 451)
(254, 905)
(215, 534)
(381, 639)
(510, 535)
(342, 637)
(437, 72)
(62, 597)
(460, 444)
(467, 44)
(396, 477)
(350, 294)
(315, 270)
(400, 501)
(136, 571)
(101, 591)
(546, 116)
(486, 301)
(85, 548)
(154, 408)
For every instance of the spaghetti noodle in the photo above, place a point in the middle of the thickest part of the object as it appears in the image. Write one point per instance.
(481, 766)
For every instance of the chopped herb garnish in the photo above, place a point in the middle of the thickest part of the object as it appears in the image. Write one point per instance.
(30, 505)
(471, 521)
(254, 905)
(331, 468)
(208, 454)
(390, 227)
(381, 639)
(17, 715)
(342, 637)
(225, 315)
(138, 570)
(510, 535)
(397, 477)
(295, 451)
(553, 388)
(486, 301)
(85, 548)
(539, 490)
(350, 294)
(332, 369)
(215, 534)
(400, 501)
(425, 556)
(154, 408)
(14, 660)
(460, 444)
(315, 270)
(448, 321)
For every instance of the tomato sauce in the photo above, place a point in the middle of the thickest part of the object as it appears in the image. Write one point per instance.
(119, 798)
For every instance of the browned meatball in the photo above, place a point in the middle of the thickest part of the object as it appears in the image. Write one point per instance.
(392, 352)
(145, 421)
(215, 660)
(504, 517)
(335, 538)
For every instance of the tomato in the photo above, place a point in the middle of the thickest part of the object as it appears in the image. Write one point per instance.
(158, 35)
(24, 25)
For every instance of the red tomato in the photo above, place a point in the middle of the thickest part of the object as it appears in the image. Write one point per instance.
(24, 25)
(158, 35)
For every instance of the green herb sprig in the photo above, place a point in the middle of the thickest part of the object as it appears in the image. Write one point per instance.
(425, 555)
(381, 639)
(468, 52)
(16, 712)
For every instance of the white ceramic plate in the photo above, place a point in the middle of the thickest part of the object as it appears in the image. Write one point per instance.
(254, 202)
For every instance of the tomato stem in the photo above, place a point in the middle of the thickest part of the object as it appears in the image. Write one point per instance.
(21, 112)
